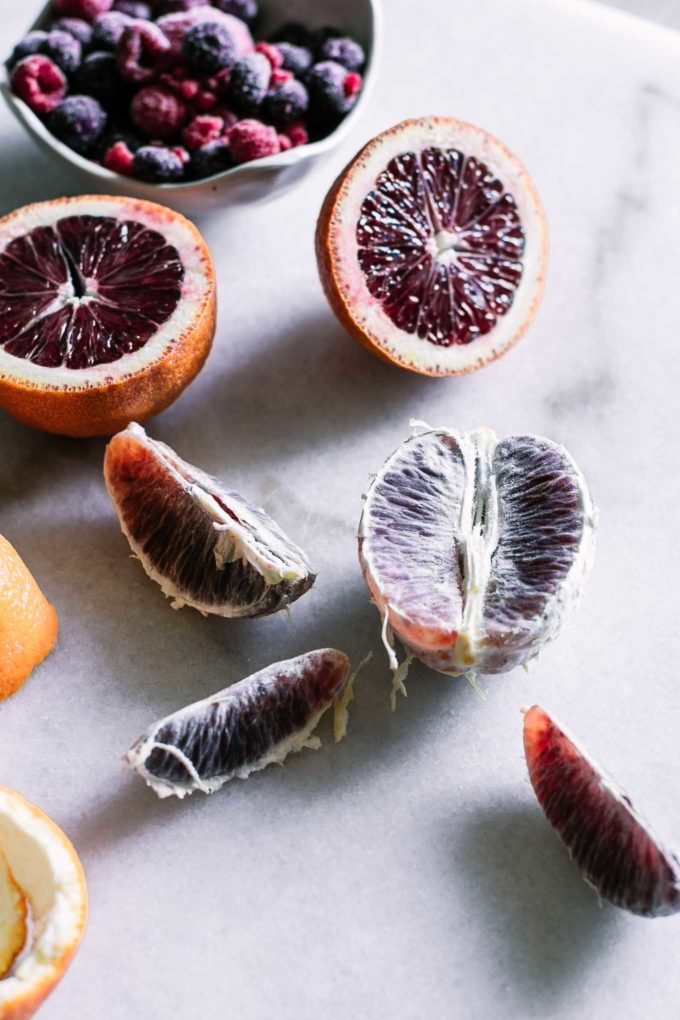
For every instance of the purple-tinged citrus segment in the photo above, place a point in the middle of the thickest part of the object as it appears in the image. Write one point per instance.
(86, 291)
(440, 244)
(605, 836)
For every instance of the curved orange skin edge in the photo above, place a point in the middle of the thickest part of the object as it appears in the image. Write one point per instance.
(326, 266)
(25, 1005)
(103, 410)
(28, 623)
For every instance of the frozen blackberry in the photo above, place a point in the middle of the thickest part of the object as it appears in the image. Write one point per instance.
(297, 59)
(27, 46)
(78, 122)
(98, 76)
(157, 164)
(135, 8)
(108, 29)
(64, 50)
(294, 32)
(286, 102)
(208, 47)
(328, 99)
(76, 27)
(210, 159)
(345, 51)
(248, 83)
(246, 10)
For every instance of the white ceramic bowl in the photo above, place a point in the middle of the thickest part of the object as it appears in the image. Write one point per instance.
(250, 182)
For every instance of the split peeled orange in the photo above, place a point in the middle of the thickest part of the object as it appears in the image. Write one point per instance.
(28, 623)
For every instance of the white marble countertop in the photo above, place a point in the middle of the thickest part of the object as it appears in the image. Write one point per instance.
(407, 873)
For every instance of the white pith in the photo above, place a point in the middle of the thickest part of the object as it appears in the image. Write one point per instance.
(195, 289)
(45, 869)
(366, 310)
(248, 541)
(140, 751)
(471, 651)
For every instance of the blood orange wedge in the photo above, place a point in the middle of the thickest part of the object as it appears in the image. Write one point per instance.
(256, 722)
(610, 842)
(475, 548)
(107, 312)
(43, 905)
(206, 545)
(28, 623)
(432, 246)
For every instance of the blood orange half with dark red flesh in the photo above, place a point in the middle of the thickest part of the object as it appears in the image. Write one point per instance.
(432, 246)
(107, 310)
(611, 843)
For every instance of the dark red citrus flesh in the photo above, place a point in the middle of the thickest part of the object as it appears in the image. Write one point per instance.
(608, 840)
(440, 243)
(86, 291)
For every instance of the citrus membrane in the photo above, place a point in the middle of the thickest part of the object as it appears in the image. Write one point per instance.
(242, 729)
(475, 548)
(607, 838)
(13, 918)
(207, 546)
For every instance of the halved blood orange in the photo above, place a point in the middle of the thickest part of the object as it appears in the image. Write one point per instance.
(611, 843)
(432, 246)
(107, 312)
(474, 548)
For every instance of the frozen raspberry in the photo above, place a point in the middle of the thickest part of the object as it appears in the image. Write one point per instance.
(353, 84)
(30, 44)
(251, 139)
(208, 46)
(202, 130)
(297, 133)
(39, 82)
(229, 118)
(248, 83)
(297, 59)
(345, 51)
(108, 29)
(188, 89)
(135, 8)
(279, 75)
(114, 134)
(157, 164)
(285, 102)
(64, 50)
(79, 122)
(175, 6)
(204, 100)
(296, 33)
(245, 10)
(181, 153)
(79, 29)
(98, 76)
(285, 143)
(141, 49)
(272, 53)
(210, 159)
(328, 100)
(86, 10)
(157, 112)
(119, 159)
(176, 26)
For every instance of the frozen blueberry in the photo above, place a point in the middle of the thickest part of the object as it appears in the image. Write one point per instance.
(64, 50)
(135, 8)
(328, 100)
(294, 32)
(108, 29)
(297, 59)
(285, 102)
(98, 76)
(248, 83)
(210, 159)
(157, 164)
(246, 10)
(208, 47)
(79, 122)
(76, 27)
(345, 51)
(30, 44)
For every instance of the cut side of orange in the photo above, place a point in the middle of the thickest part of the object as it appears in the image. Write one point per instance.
(107, 312)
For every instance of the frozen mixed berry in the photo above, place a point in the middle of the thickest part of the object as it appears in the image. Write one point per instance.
(202, 130)
(297, 59)
(246, 10)
(176, 26)
(141, 50)
(116, 133)
(296, 33)
(210, 159)
(279, 75)
(208, 47)
(108, 29)
(119, 158)
(76, 27)
(30, 44)
(157, 164)
(64, 50)
(284, 143)
(296, 133)
(285, 102)
(98, 76)
(272, 53)
(345, 51)
(251, 139)
(135, 8)
(39, 82)
(175, 6)
(329, 98)
(157, 112)
(248, 83)
(78, 122)
(86, 10)
(353, 84)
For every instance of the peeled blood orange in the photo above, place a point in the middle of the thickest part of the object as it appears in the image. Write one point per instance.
(432, 246)
(107, 312)
(474, 548)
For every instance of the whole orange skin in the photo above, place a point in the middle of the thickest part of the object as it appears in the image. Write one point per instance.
(28, 623)
(103, 410)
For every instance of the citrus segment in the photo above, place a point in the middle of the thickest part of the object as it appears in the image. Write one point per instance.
(28, 623)
(13, 918)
